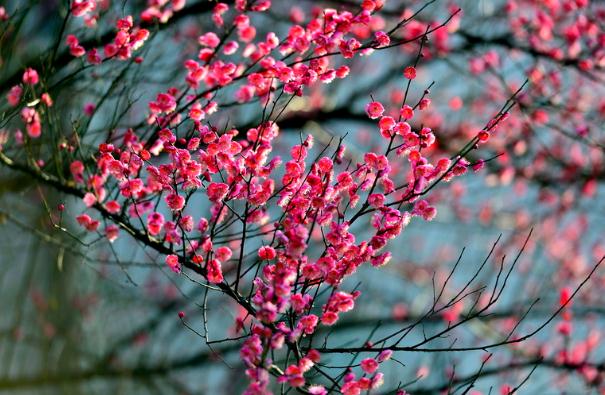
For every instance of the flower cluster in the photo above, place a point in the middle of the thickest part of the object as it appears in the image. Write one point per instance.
(279, 222)
(231, 171)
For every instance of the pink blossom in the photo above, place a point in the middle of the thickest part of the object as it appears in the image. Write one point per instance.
(165, 103)
(89, 199)
(30, 76)
(32, 122)
(384, 355)
(155, 223)
(267, 253)
(374, 110)
(406, 112)
(87, 222)
(382, 38)
(46, 99)
(308, 323)
(386, 123)
(75, 49)
(223, 254)
(173, 263)
(175, 201)
(215, 273)
(112, 207)
(112, 232)
(14, 95)
(77, 170)
(82, 7)
(217, 191)
(369, 365)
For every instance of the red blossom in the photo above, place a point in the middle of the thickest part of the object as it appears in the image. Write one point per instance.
(409, 72)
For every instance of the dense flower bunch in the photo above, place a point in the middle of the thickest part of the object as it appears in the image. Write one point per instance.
(150, 181)
(231, 171)
(237, 172)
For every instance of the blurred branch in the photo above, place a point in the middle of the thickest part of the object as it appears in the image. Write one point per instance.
(106, 372)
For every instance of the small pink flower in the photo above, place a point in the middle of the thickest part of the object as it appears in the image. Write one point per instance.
(215, 273)
(110, 50)
(173, 262)
(14, 95)
(386, 123)
(230, 48)
(125, 23)
(186, 223)
(317, 390)
(369, 365)
(83, 219)
(342, 71)
(155, 223)
(565, 296)
(351, 388)
(329, 318)
(266, 252)
(384, 355)
(374, 110)
(381, 259)
(479, 165)
(77, 170)
(93, 56)
(424, 103)
(175, 201)
(46, 99)
(308, 323)
(382, 38)
(402, 128)
(30, 76)
(203, 225)
(75, 49)
(565, 328)
(325, 164)
(112, 232)
(247, 34)
(32, 122)
(376, 200)
(452, 313)
(82, 7)
(217, 191)
(90, 224)
(164, 103)
(209, 39)
(223, 254)
(112, 206)
(406, 112)
(89, 199)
